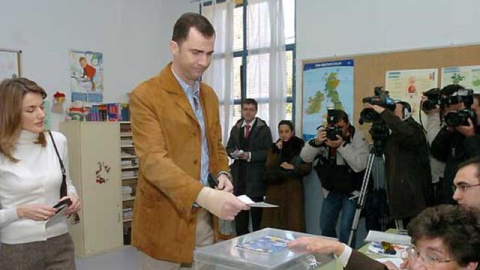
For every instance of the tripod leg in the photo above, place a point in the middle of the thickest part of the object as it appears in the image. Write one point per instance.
(361, 197)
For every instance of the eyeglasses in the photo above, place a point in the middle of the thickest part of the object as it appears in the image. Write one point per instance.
(428, 259)
(463, 187)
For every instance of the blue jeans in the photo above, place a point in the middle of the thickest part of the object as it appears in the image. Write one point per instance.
(331, 207)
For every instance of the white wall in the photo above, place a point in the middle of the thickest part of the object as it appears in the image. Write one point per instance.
(328, 28)
(132, 35)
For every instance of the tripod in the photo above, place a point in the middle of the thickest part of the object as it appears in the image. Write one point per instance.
(378, 135)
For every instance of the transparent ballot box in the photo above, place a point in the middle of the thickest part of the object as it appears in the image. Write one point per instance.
(261, 250)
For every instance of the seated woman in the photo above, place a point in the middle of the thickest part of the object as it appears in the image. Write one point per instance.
(284, 175)
(443, 237)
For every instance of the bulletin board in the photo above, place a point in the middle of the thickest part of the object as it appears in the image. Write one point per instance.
(370, 69)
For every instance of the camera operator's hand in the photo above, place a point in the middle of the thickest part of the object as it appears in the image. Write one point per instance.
(335, 144)
(376, 108)
(321, 136)
(467, 131)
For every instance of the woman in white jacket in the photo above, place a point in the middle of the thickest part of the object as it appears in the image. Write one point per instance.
(32, 181)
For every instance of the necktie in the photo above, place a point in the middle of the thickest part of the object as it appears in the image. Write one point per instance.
(247, 131)
(195, 101)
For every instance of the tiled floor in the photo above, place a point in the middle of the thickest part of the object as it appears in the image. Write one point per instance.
(125, 258)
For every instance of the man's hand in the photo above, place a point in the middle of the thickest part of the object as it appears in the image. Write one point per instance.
(467, 131)
(220, 203)
(244, 156)
(321, 136)
(224, 183)
(376, 108)
(318, 245)
(335, 144)
(287, 166)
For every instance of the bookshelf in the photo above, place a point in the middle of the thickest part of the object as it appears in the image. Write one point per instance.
(129, 176)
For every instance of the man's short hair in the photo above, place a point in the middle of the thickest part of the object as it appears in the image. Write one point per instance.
(450, 89)
(475, 161)
(249, 101)
(458, 228)
(189, 20)
(339, 115)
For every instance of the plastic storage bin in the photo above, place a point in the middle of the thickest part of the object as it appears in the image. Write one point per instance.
(228, 255)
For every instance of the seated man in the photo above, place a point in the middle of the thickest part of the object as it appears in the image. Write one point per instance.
(443, 237)
(466, 184)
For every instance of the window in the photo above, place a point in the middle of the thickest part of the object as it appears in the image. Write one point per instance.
(246, 60)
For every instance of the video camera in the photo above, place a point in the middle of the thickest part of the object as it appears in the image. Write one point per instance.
(460, 117)
(442, 98)
(332, 130)
(381, 98)
(434, 99)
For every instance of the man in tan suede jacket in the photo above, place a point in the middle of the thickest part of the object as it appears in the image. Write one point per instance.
(177, 137)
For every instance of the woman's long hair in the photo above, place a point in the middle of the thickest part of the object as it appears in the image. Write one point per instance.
(12, 92)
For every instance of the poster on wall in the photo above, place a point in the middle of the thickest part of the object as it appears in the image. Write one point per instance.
(9, 64)
(325, 85)
(408, 86)
(86, 76)
(467, 76)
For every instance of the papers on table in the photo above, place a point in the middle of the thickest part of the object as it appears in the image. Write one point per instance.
(246, 200)
(376, 236)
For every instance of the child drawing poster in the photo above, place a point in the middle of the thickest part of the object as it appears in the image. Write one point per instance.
(86, 76)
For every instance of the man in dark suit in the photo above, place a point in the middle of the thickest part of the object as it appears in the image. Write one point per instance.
(249, 141)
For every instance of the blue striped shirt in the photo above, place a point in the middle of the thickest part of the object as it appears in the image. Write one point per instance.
(193, 96)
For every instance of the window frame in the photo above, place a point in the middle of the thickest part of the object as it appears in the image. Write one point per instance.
(244, 53)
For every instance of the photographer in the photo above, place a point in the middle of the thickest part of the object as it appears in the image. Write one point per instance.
(342, 154)
(406, 163)
(455, 142)
(430, 106)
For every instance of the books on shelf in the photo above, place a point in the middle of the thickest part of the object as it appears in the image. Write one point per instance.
(108, 112)
(129, 174)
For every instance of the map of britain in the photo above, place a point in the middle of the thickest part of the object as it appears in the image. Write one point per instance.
(326, 85)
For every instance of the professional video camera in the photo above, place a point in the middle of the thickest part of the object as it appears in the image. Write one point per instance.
(332, 130)
(460, 117)
(434, 98)
(381, 98)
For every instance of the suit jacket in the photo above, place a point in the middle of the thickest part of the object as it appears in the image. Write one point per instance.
(167, 140)
(248, 175)
(360, 261)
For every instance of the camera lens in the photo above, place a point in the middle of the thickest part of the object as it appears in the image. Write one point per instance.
(455, 119)
(428, 105)
(368, 115)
